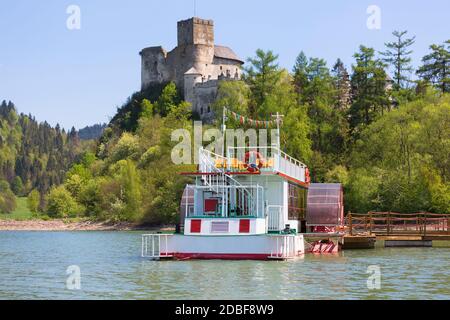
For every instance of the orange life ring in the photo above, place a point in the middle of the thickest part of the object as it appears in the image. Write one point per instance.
(307, 177)
(252, 167)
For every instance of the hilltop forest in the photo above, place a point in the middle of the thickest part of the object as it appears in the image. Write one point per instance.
(386, 139)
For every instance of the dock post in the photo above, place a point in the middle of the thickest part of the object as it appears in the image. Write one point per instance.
(350, 224)
(448, 224)
(370, 223)
(424, 223)
(388, 222)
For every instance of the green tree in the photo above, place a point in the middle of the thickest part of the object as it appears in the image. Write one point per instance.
(234, 95)
(405, 154)
(369, 83)
(342, 85)
(167, 100)
(126, 147)
(147, 108)
(300, 75)
(17, 186)
(398, 56)
(7, 198)
(262, 75)
(436, 66)
(61, 204)
(33, 201)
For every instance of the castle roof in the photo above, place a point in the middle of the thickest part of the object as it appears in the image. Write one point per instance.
(192, 71)
(226, 53)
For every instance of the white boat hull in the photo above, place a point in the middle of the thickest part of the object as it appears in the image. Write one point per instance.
(249, 247)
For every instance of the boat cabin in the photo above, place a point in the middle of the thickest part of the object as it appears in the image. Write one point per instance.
(250, 191)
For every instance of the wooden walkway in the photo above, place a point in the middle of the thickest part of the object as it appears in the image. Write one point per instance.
(399, 226)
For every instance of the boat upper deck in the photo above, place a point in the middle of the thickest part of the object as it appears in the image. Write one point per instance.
(254, 160)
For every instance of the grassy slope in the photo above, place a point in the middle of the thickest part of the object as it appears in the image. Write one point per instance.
(21, 212)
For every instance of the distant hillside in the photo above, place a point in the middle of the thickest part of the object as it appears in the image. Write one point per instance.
(34, 155)
(92, 132)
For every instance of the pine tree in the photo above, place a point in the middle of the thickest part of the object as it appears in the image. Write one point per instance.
(369, 88)
(436, 66)
(300, 74)
(343, 85)
(262, 76)
(398, 57)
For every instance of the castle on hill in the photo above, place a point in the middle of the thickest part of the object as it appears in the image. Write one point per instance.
(196, 65)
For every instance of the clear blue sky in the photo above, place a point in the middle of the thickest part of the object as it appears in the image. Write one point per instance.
(79, 77)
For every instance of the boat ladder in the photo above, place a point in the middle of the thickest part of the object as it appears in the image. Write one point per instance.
(155, 246)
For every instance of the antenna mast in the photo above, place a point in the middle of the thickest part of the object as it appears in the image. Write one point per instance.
(278, 118)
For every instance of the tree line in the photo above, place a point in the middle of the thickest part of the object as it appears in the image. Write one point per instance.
(34, 156)
(385, 139)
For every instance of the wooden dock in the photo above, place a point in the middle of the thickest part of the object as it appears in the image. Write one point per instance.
(395, 229)
(359, 242)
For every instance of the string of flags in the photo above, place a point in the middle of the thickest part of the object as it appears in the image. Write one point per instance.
(255, 123)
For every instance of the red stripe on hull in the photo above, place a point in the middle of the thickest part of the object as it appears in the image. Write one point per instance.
(221, 256)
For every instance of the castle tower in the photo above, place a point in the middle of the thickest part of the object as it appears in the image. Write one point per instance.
(195, 31)
(195, 47)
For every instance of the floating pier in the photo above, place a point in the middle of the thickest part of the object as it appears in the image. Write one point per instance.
(395, 229)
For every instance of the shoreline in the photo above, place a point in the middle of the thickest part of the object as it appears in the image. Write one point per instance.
(64, 225)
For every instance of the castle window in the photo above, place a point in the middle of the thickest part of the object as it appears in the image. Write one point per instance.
(221, 67)
(201, 110)
(209, 109)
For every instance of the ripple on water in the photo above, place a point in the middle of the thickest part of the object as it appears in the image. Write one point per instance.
(34, 266)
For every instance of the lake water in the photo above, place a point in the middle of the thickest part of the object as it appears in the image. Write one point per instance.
(33, 266)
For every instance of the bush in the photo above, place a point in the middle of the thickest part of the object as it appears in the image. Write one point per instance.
(7, 198)
(61, 204)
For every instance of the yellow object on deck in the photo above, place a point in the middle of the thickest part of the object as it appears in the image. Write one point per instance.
(221, 163)
(240, 165)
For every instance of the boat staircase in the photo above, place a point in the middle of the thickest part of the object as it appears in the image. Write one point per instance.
(224, 186)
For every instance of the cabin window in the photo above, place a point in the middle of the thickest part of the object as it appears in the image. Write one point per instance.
(296, 202)
(210, 205)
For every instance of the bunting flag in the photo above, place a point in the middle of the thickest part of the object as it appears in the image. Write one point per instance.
(255, 123)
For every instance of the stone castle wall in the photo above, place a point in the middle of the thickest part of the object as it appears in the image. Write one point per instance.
(195, 65)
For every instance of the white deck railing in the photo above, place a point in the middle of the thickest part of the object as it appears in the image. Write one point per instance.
(156, 246)
(284, 247)
(275, 160)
